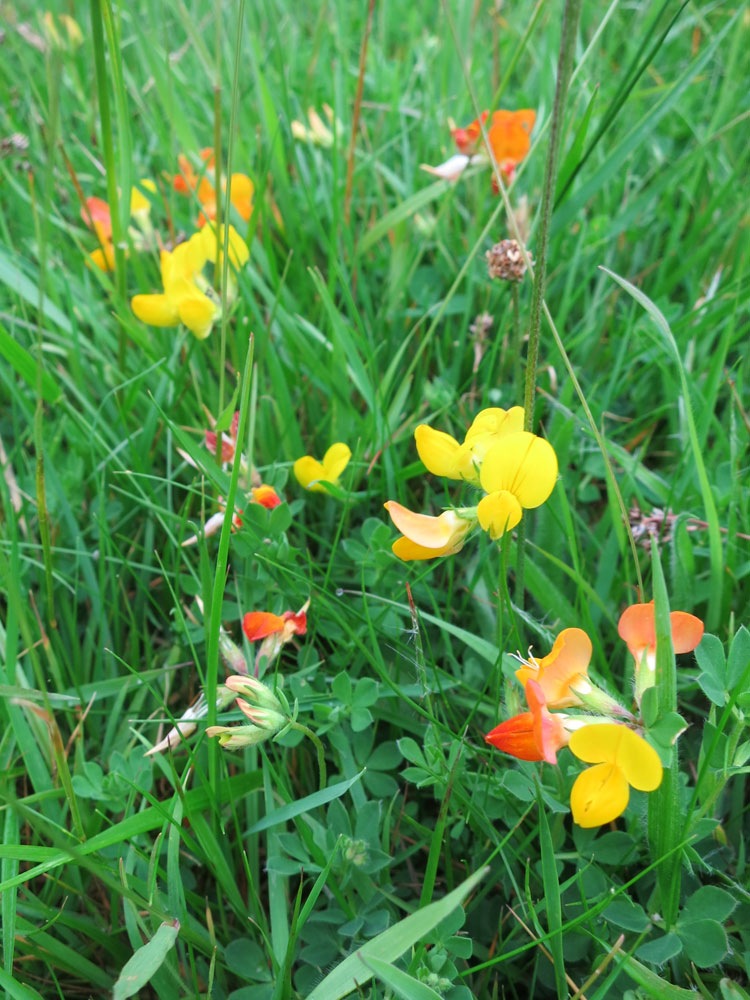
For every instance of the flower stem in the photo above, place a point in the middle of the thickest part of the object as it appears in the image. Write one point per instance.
(320, 751)
(571, 15)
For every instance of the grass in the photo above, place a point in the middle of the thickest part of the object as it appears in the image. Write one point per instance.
(435, 863)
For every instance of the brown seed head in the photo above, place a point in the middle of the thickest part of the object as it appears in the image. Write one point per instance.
(504, 261)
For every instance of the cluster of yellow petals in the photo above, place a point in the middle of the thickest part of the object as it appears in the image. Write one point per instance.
(621, 758)
(516, 469)
(312, 474)
(183, 299)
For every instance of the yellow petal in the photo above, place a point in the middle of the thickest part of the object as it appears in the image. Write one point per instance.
(612, 743)
(495, 421)
(103, 259)
(409, 551)
(139, 203)
(523, 464)
(599, 795)
(238, 251)
(335, 461)
(156, 310)
(197, 312)
(499, 512)
(437, 450)
(428, 532)
(308, 471)
(242, 195)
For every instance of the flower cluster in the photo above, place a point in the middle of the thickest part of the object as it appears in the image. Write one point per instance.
(621, 756)
(95, 213)
(264, 710)
(188, 297)
(200, 184)
(508, 142)
(516, 469)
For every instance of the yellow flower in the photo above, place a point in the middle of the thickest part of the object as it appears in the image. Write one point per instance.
(311, 473)
(140, 206)
(426, 537)
(184, 300)
(517, 473)
(444, 456)
(621, 758)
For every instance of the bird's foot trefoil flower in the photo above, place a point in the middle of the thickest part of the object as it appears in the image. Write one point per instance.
(637, 627)
(621, 758)
(313, 475)
(427, 537)
(274, 631)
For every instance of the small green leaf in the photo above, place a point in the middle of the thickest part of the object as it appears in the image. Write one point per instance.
(739, 659)
(661, 949)
(705, 941)
(650, 707)
(146, 961)
(411, 751)
(709, 654)
(709, 902)
(623, 912)
(668, 729)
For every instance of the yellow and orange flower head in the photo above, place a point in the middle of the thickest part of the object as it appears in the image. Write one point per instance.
(622, 758)
(444, 456)
(509, 137)
(312, 474)
(468, 138)
(564, 671)
(533, 735)
(517, 473)
(266, 496)
(189, 180)
(426, 537)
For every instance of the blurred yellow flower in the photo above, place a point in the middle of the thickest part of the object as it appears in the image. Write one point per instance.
(311, 473)
(621, 758)
(184, 299)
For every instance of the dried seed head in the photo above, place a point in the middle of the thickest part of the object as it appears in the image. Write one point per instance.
(504, 261)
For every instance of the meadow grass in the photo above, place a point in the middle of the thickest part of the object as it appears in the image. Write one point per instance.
(378, 847)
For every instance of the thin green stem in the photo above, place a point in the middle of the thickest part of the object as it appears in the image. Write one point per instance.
(320, 749)
(571, 15)
(105, 120)
(225, 241)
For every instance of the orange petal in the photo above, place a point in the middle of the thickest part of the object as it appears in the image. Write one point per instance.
(516, 737)
(567, 662)
(259, 624)
(687, 631)
(549, 732)
(96, 214)
(266, 496)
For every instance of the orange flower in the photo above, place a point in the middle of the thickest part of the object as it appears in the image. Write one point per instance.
(637, 627)
(96, 215)
(467, 139)
(564, 671)
(532, 735)
(274, 630)
(189, 180)
(266, 496)
(509, 138)
(260, 624)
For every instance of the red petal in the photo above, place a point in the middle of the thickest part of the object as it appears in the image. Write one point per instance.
(516, 737)
(259, 624)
